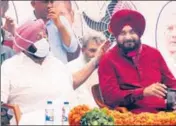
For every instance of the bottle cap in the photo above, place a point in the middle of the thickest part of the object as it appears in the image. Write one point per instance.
(49, 102)
(66, 103)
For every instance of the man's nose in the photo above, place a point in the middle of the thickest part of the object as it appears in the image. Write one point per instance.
(128, 36)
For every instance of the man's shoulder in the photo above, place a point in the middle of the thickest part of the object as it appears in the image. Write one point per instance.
(111, 53)
(150, 50)
(12, 62)
(54, 60)
(75, 64)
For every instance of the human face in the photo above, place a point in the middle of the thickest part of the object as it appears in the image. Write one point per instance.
(171, 38)
(33, 47)
(128, 39)
(42, 8)
(90, 50)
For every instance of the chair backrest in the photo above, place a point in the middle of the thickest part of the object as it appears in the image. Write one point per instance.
(15, 109)
(96, 92)
(98, 96)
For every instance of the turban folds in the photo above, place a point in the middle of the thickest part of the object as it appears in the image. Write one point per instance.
(30, 31)
(127, 17)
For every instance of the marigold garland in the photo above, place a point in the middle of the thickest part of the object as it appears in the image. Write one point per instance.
(127, 118)
(76, 113)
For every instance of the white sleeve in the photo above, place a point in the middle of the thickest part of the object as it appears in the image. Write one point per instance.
(69, 96)
(74, 41)
(71, 66)
(5, 82)
(70, 77)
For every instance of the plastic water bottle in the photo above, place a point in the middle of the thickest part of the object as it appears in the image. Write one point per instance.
(65, 112)
(49, 114)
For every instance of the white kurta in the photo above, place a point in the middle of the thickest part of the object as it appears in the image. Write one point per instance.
(172, 65)
(30, 85)
(83, 93)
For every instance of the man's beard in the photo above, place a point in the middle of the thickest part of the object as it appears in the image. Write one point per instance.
(132, 45)
(87, 59)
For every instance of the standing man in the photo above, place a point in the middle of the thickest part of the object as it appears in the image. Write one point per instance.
(60, 34)
(132, 74)
(7, 31)
(91, 43)
(170, 41)
(68, 12)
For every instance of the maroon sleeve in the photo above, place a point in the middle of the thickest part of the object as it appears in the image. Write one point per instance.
(167, 76)
(110, 88)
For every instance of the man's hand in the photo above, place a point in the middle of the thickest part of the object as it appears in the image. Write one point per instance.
(9, 25)
(157, 89)
(174, 107)
(102, 49)
(54, 15)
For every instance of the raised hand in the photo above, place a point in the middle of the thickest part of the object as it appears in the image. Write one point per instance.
(53, 14)
(9, 25)
(102, 49)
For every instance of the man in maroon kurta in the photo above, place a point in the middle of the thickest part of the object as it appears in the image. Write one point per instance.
(132, 74)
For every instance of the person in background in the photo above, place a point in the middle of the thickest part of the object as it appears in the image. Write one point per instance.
(7, 31)
(132, 74)
(170, 41)
(90, 45)
(38, 76)
(68, 12)
(60, 34)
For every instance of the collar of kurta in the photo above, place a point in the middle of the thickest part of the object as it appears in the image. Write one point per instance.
(133, 55)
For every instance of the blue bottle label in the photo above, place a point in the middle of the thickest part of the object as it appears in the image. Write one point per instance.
(49, 116)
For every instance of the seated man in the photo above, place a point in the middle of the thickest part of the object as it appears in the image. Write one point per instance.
(33, 76)
(90, 44)
(132, 74)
